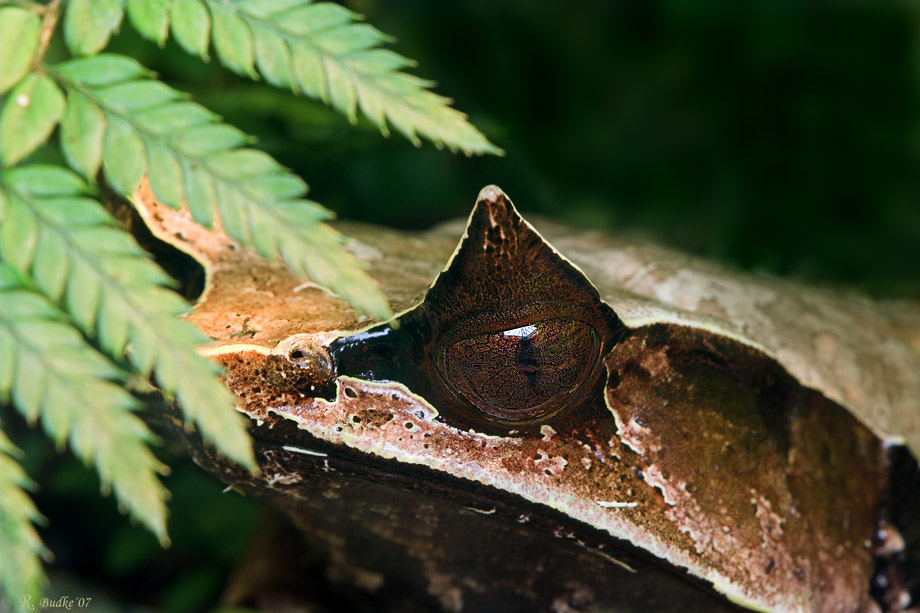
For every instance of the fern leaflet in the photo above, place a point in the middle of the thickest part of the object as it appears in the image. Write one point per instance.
(114, 293)
(22, 548)
(139, 125)
(52, 374)
(323, 51)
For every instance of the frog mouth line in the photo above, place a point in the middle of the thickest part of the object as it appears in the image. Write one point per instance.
(647, 351)
(290, 450)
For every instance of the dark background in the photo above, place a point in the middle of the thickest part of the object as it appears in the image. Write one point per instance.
(780, 138)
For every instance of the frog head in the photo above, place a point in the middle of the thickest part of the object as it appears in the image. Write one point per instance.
(518, 434)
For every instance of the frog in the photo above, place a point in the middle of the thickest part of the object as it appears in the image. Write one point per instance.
(548, 425)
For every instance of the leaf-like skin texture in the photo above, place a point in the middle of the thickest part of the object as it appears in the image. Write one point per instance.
(736, 431)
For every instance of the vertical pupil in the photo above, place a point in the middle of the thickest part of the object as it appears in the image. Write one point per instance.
(528, 352)
(524, 373)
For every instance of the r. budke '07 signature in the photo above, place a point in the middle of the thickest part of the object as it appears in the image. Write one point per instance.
(518, 439)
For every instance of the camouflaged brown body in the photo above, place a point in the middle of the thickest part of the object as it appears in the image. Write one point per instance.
(701, 446)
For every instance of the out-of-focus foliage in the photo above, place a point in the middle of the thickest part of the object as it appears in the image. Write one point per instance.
(87, 315)
(778, 136)
(21, 543)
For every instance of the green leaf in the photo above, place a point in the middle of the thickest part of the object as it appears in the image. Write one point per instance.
(319, 49)
(232, 39)
(272, 57)
(151, 19)
(114, 294)
(199, 192)
(18, 234)
(340, 61)
(21, 573)
(308, 67)
(20, 40)
(165, 171)
(102, 69)
(60, 378)
(123, 155)
(210, 138)
(136, 95)
(265, 9)
(29, 115)
(191, 25)
(342, 93)
(49, 274)
(196, 162)
(82, 133)
(89, 24)
(174, 117)
(44, 180)
(307, 18)
(243, 163)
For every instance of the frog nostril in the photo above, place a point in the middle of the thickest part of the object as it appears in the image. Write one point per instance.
(306, 365)
(307, 354)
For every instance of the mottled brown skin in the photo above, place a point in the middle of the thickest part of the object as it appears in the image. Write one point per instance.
(369, 524)
(754, 464)
(391, 544)
(682, 443)
(775, 486)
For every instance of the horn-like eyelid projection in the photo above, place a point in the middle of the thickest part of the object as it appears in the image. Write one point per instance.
(509, 335)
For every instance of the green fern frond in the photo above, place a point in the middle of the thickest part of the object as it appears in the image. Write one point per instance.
(53, 375)
(84, 308)
(89, 25)
(321, 50)
(22, 548)
(133, 125)
(68, 243)
(21, 29)
(30, 113)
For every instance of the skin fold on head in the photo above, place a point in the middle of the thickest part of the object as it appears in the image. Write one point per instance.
(744, 472)
(625, 427)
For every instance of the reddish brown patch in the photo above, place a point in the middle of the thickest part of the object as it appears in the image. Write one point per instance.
(777, 485)
(248, 299)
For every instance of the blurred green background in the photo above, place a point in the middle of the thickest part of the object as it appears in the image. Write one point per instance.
(778, 137)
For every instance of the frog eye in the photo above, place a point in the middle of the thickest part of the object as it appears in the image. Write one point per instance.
(521, 374)
(508, 337)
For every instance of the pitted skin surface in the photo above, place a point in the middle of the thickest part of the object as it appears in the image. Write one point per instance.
(658, 457)
(763, 539)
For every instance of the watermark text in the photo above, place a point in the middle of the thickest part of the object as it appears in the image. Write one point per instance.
(66, 603)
